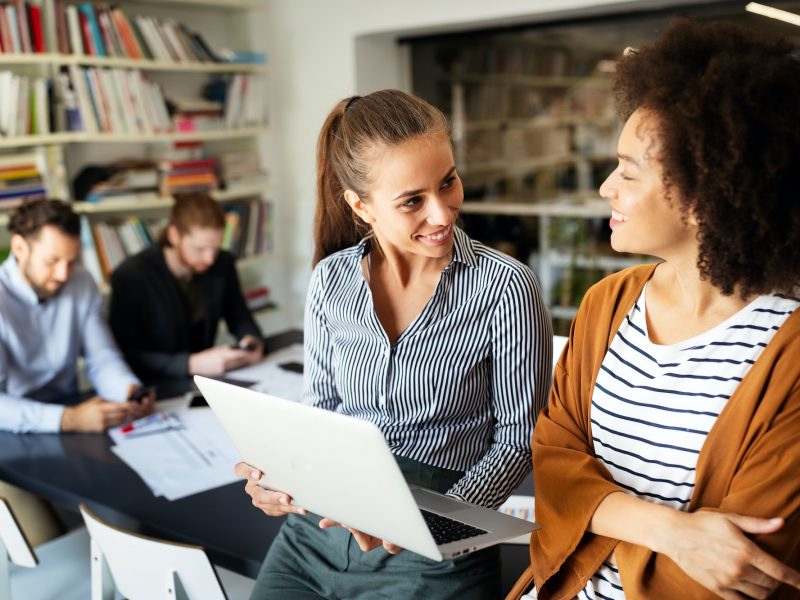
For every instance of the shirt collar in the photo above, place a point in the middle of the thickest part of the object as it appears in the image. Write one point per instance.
(463, 251)
(16, 282)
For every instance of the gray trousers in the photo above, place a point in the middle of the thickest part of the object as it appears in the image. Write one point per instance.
(309, 563)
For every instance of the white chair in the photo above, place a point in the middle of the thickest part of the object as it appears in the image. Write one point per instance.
(143, 568)
(56, 569)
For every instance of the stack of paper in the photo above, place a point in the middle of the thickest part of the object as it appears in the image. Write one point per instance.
(177, 453)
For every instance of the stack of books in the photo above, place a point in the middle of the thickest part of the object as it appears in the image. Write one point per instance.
(109, 100)
(104, 245)
(22, 28)
(195, 114)
(245, 102)
(22, 177)
(128, 183)
(24, 105)
(248, 227)
(237, 169)
(192, 175)
(104, 30)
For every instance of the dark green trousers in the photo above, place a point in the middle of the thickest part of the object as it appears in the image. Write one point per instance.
(309, 563)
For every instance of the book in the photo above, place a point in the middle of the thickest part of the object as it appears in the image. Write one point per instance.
(129, 41)
(24, 27)
(74, 30)
(37, 31)
(89, 252)
(62, 31)
(98, 46)
(12, 24)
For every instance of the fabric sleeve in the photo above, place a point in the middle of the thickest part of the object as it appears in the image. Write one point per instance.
(522, 349)
(125, 318)
(22, 415)
(319, 384)
(765, 485)
(105, 366)
(237, 316)
(569, 481)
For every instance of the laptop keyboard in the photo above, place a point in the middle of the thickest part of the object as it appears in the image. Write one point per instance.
(446, 530)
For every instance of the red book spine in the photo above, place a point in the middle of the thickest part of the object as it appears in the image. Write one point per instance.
(86, 31)
(4, 44)
(37, 34)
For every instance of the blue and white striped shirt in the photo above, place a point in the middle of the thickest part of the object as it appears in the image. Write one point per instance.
(461, 387)
(653, 405)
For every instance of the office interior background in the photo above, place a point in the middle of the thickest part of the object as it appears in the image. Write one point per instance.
(526, 85)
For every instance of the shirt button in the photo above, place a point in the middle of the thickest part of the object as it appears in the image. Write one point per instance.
(387, 352)
(382, 400)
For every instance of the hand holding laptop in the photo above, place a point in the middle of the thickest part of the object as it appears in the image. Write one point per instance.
(278, 504)
(274, 504)
(365, 541)
(325, 460)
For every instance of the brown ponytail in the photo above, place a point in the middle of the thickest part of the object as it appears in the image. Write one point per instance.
(353, 129)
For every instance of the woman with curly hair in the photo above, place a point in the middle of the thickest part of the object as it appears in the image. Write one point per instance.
(666, 462)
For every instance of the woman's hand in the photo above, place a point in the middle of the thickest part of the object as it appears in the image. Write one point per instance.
(275, 504)
(365, 542)
(714, 550)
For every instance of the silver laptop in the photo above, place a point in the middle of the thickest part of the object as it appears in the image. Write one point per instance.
(340, 467)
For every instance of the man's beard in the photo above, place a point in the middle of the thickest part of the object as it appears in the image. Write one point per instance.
(41, 293)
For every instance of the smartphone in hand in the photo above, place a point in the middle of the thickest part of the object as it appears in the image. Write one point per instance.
(249, 346)
(138, 395)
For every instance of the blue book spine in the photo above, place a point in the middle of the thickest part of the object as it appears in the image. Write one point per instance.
(91, 18)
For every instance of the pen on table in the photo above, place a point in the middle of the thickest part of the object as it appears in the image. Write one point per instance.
(142, 423)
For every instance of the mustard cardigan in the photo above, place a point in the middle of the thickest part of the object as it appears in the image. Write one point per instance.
(749, 464)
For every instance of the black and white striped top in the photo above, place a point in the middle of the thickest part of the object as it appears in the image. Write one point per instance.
(653, 405)
(461, 387)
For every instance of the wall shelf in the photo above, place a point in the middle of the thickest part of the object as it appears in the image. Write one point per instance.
(154, 201)
(531, 80)
(79, 137)
(50, 59)
(210, 4)
(581, 205)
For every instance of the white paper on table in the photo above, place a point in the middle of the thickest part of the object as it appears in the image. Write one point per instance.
(522, 507)
(152, 422)
(269, 377)
(182, 462)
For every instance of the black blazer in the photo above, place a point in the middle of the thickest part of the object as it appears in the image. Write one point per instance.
(149, 318)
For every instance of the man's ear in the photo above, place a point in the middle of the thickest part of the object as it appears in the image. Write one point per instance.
(359, 207)
(173, 235)
(19, 247)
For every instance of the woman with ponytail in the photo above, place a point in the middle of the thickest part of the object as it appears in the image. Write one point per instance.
(443, 343)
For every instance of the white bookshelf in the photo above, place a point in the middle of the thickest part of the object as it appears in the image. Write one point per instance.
(77, 137)
(223, 5)
(529, 80)
(55, 59)
(578, 205)
(225, 24)
(153, 201)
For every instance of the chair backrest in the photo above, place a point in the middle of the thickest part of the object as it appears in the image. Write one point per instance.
(13, 539)
(147, 568)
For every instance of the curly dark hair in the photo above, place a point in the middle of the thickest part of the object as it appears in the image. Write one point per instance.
(726, 103)
(29, 218)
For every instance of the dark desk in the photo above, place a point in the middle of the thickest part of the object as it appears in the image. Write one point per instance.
(68, 469)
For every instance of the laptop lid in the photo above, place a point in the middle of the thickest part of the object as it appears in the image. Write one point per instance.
(322, 459)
